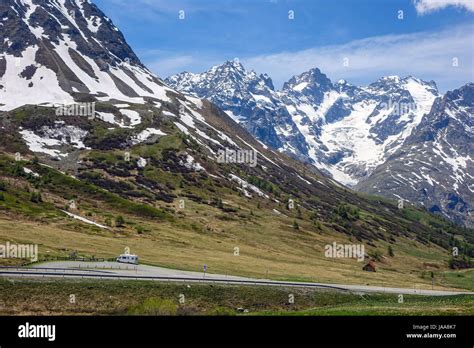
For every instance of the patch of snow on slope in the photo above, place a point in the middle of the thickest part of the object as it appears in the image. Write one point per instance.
(80, 218)
(182, 128)
(424, 100)
(29, 171)
(167, 113)
(133, 116)
(195, 101)
(108, 117)
(66, 135)
(146, 134)
(233, 116)
(191, 163)
(262, 98)
(57, 136)
(337, 174)
(39, 144)
(31, 8)
(244, 184)
(16, 91)
(301, 86)
(93, 23)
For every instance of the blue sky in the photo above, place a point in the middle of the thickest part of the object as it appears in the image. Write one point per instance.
(357, 40)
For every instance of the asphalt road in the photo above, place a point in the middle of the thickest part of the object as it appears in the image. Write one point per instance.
(114, 270)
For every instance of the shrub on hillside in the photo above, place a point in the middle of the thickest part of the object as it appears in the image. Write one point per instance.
(347, 212)
(35, 197)
(119, 221)
(460, 263)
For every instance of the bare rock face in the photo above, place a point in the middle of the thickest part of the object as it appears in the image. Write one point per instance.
(435, 165)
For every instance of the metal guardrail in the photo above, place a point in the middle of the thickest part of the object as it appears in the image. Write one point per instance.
(204, 280)
(68, 258)
(96, 268)
(82, 259)
(183, 279)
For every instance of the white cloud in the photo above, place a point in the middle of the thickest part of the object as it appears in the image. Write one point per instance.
(427, 6)
(426, 55)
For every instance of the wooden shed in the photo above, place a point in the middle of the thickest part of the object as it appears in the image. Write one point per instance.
(370, 267)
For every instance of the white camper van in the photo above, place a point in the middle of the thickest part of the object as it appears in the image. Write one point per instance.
(127, 258)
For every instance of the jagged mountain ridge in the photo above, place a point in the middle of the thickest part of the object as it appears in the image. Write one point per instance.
(326, 124)
(434, 166)
(242, 95)
(344, 130)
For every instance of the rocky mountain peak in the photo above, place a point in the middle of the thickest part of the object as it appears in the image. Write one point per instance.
(229, 85)
(232, 64)
(42, 22)
(309, 82)
(394, 83)
(464, 95)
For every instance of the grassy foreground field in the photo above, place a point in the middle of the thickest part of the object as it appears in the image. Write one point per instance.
(24, 297)
(273, 254)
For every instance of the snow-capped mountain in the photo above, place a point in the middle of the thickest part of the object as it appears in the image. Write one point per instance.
(228, 85)
(435, 165)
(54, 51)
(248, 98)
(57, 53)
(347, 131)
(367, 124)
(342, 129)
